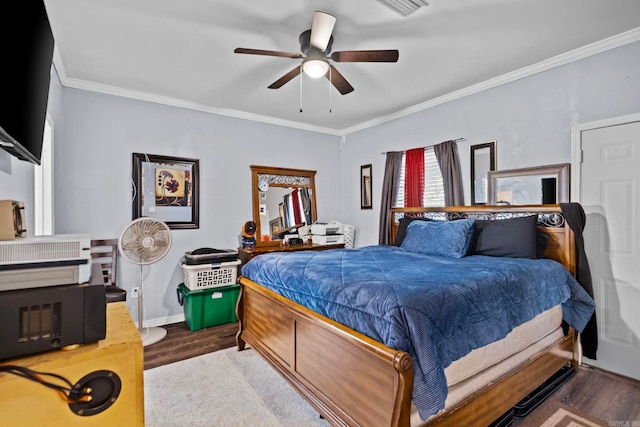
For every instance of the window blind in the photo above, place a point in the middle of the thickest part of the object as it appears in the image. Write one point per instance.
(433, 186)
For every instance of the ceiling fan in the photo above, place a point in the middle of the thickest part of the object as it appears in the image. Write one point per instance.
(315, 45)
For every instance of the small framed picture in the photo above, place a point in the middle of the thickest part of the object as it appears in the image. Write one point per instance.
(365, 187)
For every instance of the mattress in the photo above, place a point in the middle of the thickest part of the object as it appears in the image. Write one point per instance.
(474, 371)
(520, 338)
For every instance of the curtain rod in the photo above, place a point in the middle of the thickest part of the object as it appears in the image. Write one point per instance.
(454, 140)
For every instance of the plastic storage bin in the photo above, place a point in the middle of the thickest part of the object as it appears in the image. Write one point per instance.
(209, 307)
(205, 276)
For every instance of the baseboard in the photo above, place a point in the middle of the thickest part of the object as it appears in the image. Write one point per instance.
(161, 321)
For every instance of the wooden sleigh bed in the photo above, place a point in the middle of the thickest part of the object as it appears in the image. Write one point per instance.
(352, 380)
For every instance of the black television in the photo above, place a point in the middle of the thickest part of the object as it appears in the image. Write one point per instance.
(27, 54)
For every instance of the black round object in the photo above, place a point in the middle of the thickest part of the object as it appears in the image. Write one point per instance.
(249, 228)
(105, 388)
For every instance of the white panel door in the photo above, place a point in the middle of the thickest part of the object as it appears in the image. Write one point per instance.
(609, 194)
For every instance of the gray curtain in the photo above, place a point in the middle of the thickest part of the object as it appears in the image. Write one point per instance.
(447, 155)
(392, 169)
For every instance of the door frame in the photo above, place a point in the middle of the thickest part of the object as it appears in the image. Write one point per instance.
(576, 146)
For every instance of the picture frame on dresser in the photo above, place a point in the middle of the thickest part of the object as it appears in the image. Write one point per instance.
(166, 188)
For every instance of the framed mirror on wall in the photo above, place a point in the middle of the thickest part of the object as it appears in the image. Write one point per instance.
(365, 187)
(530, 186)
(283, 201)
(166, 188)
(483, 161)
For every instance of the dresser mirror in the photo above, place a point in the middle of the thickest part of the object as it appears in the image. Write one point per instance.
(283, 200)
(530, 186)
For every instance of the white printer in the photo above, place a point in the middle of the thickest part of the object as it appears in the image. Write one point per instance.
(327, 233)
(45, 261)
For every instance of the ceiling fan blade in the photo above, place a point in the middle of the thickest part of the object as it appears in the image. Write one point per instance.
(366, 56)
(284, 79)
(339, 81)
(321, 29)
(267, 52)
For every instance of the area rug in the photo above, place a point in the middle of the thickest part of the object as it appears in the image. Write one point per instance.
(226, 388)
(556, 414)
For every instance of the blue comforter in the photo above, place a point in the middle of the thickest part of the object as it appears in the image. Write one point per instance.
(436, 309)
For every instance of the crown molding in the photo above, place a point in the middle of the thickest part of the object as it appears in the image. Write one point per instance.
(174, 102)
(548, 64)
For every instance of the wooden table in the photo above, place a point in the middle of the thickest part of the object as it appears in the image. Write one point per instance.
(28, 403)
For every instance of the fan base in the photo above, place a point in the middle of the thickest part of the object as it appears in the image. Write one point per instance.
(152, 335)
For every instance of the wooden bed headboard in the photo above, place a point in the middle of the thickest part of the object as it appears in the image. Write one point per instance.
(561, 246)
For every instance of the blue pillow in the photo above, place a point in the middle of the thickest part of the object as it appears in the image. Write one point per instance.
(402, 228)
(442, 238)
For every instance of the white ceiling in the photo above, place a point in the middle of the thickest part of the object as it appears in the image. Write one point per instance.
(180, 52)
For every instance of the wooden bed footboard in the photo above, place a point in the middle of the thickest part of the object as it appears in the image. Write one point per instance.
(499, 396)
(350, 379)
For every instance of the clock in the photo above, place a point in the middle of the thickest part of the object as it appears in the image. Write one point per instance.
(263, 184)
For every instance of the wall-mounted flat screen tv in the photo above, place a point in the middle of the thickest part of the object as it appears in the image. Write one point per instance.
(27, 52)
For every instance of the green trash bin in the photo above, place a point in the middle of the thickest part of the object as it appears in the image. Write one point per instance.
(208, 307)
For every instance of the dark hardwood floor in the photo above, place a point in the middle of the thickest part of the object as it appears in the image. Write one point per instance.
(601, 394)
(180, 343)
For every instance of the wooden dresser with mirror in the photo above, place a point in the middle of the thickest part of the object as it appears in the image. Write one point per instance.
(283, 201)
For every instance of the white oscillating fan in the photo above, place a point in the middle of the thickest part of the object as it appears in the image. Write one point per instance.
(145, 241)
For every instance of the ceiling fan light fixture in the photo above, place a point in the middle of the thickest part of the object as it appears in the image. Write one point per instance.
(315, 68)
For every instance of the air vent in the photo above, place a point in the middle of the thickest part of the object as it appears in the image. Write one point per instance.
(403, 8)
(41, 251)
(40, 322)
(56, 248)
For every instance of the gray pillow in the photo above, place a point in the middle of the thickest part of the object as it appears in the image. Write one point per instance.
(511, 237)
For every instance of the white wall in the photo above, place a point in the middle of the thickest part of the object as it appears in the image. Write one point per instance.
(16, 183)
(93, 186)
(16, 176)
(530, 119)
(95, 135)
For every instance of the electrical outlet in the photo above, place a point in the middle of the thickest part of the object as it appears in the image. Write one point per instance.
(134, 292)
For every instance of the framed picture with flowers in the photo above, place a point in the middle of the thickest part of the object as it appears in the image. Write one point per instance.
(166, 188)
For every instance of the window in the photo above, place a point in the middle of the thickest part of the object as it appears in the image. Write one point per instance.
(43, 185)
(433, 187)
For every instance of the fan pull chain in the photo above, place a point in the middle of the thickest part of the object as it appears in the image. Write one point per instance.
(301, 76)
(330, 83)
